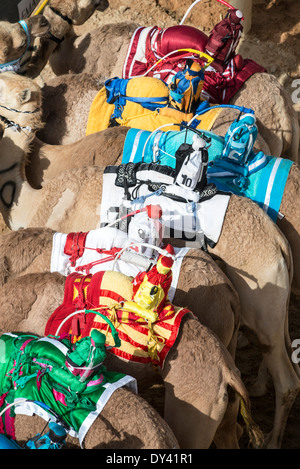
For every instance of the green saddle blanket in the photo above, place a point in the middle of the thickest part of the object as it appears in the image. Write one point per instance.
(34, 378)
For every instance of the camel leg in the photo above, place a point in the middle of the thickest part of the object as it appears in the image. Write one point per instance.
(260, 387)
(287, 386)
(268, 320)
(196, 395)
(229, 431)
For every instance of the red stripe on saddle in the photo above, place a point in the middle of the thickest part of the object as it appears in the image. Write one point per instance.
(88, 289)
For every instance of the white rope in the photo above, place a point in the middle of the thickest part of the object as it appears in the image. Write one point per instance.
(162, 58)
(158, 128)
(70, 315)
(15, 403)
(186, 14)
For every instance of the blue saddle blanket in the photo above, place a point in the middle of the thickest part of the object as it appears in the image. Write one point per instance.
(264, 184)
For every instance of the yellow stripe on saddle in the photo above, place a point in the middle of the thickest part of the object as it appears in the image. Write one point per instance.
(136, 116)
(142, 341)
(105, 292)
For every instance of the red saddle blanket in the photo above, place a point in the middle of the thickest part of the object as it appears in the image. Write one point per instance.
(149, 45)
(98, 292)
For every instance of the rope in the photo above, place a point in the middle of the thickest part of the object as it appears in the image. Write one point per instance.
(16, 127)
(87, 311)
(20, 112)
(197, 1)
(38, 9)
(14, 65)
(193, 51)
(16, 402)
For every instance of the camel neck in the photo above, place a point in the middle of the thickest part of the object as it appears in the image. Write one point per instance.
(18, 200)
(60, 24)
(63, 17)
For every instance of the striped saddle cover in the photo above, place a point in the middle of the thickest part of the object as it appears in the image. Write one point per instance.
(93, 294)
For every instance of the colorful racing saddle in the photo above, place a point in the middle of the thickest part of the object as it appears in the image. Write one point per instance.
(146, 321)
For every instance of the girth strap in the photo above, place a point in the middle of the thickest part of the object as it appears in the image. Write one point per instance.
(74, 246)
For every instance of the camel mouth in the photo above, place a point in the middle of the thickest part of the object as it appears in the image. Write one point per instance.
(38, 25)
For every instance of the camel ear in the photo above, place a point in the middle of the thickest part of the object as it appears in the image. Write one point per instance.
(25, 95)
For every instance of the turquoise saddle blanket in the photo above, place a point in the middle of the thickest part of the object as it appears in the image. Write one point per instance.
(262, 180)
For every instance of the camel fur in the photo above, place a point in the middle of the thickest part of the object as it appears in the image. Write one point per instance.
(261, 269)
(126, 422)
(61, 15)
(14, 41)
(196, 375)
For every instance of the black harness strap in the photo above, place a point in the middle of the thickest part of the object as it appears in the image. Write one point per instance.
(64, 17)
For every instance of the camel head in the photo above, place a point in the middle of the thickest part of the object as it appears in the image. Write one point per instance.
(20, 101)
(38, 25)
(77, 11)
(15, 38)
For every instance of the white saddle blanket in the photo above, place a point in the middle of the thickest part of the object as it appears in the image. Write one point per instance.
(178, 218)
(105, 238)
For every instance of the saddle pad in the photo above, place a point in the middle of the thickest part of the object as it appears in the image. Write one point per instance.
(265, 187)
(80, 418)
(139, 341)
(179, 219)
(136, 116)
(161, 146)
(149, 44)
(83, 292)
(104, 238)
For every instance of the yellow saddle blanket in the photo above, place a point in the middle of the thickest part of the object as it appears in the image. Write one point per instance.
(134, 115)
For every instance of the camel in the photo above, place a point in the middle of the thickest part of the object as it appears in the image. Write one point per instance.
(145, 429)
(45, 162)
(197, 373)
(61, 16)
(67, 100)
(17, 40)
(127, 421)
(66, 104)
(277, 120)
(261, 269)
(68, 53)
